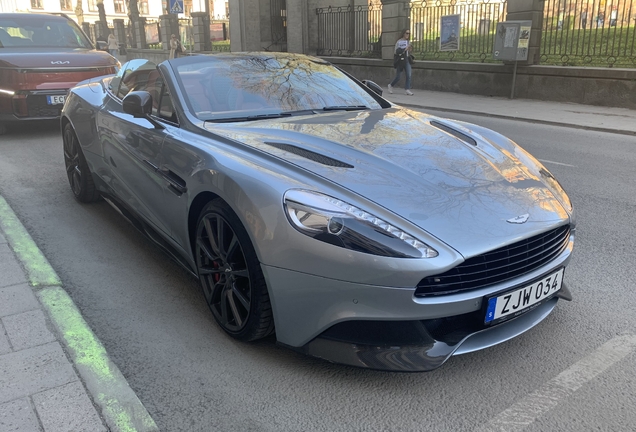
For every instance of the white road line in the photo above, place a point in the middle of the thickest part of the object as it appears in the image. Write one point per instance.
(531, 407)
(556, 163)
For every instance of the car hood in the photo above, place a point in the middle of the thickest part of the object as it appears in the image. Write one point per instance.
(53, 58)
(469, 194)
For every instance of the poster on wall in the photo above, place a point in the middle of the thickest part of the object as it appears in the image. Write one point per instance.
(449, 33)
(152, 33)
(217, 32)
(524, 36)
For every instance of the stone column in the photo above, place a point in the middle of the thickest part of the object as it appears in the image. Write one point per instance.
(119, 29)
(201, 31)
(298, 26)
(395, 18)
(245, 25)
(87, 29)
(140, 32)
(168, 25)
(531, 10)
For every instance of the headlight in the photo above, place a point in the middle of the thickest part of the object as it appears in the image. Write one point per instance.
(341, 224)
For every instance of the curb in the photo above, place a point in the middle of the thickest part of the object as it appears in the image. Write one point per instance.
(118, 404)
(524, 119)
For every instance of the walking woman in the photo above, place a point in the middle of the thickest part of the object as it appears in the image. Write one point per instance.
(113, 45)
(401, 62)
(174, 47)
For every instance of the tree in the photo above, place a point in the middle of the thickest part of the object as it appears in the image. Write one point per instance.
(103, 24)
(79, 12)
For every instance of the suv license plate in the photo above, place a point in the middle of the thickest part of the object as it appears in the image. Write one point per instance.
(55, 100)
(518, 301)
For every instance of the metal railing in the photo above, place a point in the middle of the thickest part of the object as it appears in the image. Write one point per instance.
(589, 33)
(478, 22)
(185, 32)
(352, 32)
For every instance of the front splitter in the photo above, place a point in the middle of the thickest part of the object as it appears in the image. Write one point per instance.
(427, 353)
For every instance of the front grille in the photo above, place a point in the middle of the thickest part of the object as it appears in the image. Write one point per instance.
(38, 106)
(498, 265)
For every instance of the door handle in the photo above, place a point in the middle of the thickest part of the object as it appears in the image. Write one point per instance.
(175, 183)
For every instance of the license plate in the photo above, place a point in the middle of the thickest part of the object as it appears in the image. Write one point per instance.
(518, 301)
(55, 100)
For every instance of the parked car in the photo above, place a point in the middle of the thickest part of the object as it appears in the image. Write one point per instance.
(41, 57)
(307, 205)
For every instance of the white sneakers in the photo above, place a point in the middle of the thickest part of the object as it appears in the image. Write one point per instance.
(408, 92)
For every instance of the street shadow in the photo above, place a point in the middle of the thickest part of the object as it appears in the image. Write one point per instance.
(31, 128)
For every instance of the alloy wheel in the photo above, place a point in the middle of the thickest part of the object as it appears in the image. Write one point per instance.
(72, 161)
(223, 271)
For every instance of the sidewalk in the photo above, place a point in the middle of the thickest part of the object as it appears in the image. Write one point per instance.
(604, 119)
(54, 373)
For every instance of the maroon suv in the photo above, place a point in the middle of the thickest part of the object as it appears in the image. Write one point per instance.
(41, 57)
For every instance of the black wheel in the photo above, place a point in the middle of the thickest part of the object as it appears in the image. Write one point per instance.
(230, 274)
(3, 128)
(79, 176)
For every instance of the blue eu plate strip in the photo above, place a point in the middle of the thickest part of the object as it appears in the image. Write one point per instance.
(490, 313)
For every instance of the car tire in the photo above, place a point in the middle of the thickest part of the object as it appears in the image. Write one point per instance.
(230, 274)
(3, 129)
(77, 171)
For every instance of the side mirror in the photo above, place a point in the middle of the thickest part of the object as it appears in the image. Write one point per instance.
(102, 45)
(373, 86)
(139, 105)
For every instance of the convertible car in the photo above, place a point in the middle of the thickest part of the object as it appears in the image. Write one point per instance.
(41, 57)
(308, 206)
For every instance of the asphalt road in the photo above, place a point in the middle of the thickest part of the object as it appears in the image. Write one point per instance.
(573, 372)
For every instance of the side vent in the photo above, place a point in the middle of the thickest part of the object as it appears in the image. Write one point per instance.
(454, 132)
(308, 154)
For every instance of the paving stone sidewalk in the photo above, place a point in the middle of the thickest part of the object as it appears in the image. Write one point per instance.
(39, 387)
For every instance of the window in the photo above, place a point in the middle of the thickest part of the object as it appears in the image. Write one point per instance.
(38, 30)
(135, 77)
(143, 7)
(92, 5)
(119, 6)
(36, 4)
(166, 109)
(66, 5)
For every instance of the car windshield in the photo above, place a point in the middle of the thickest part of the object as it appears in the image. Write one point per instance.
(54, 32)
(241, 88)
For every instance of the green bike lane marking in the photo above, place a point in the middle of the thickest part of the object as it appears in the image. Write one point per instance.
(120, 407)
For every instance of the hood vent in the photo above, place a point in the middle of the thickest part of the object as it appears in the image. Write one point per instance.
(454, 132)
(308, 154)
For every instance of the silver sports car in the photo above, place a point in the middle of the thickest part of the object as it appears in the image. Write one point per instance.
(358, 231)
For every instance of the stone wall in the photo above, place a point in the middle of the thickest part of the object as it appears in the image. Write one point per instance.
(593, 86)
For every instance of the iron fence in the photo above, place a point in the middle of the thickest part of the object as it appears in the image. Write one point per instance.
(347, 31)
(478, 22)
(186, 34)
(589, 33)
(278, 14)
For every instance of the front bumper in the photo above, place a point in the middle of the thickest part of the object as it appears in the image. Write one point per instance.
(30, 105)
(409, 346)
(389, 328)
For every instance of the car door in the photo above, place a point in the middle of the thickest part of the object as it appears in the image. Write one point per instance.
(178, 160)
(132, 147)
